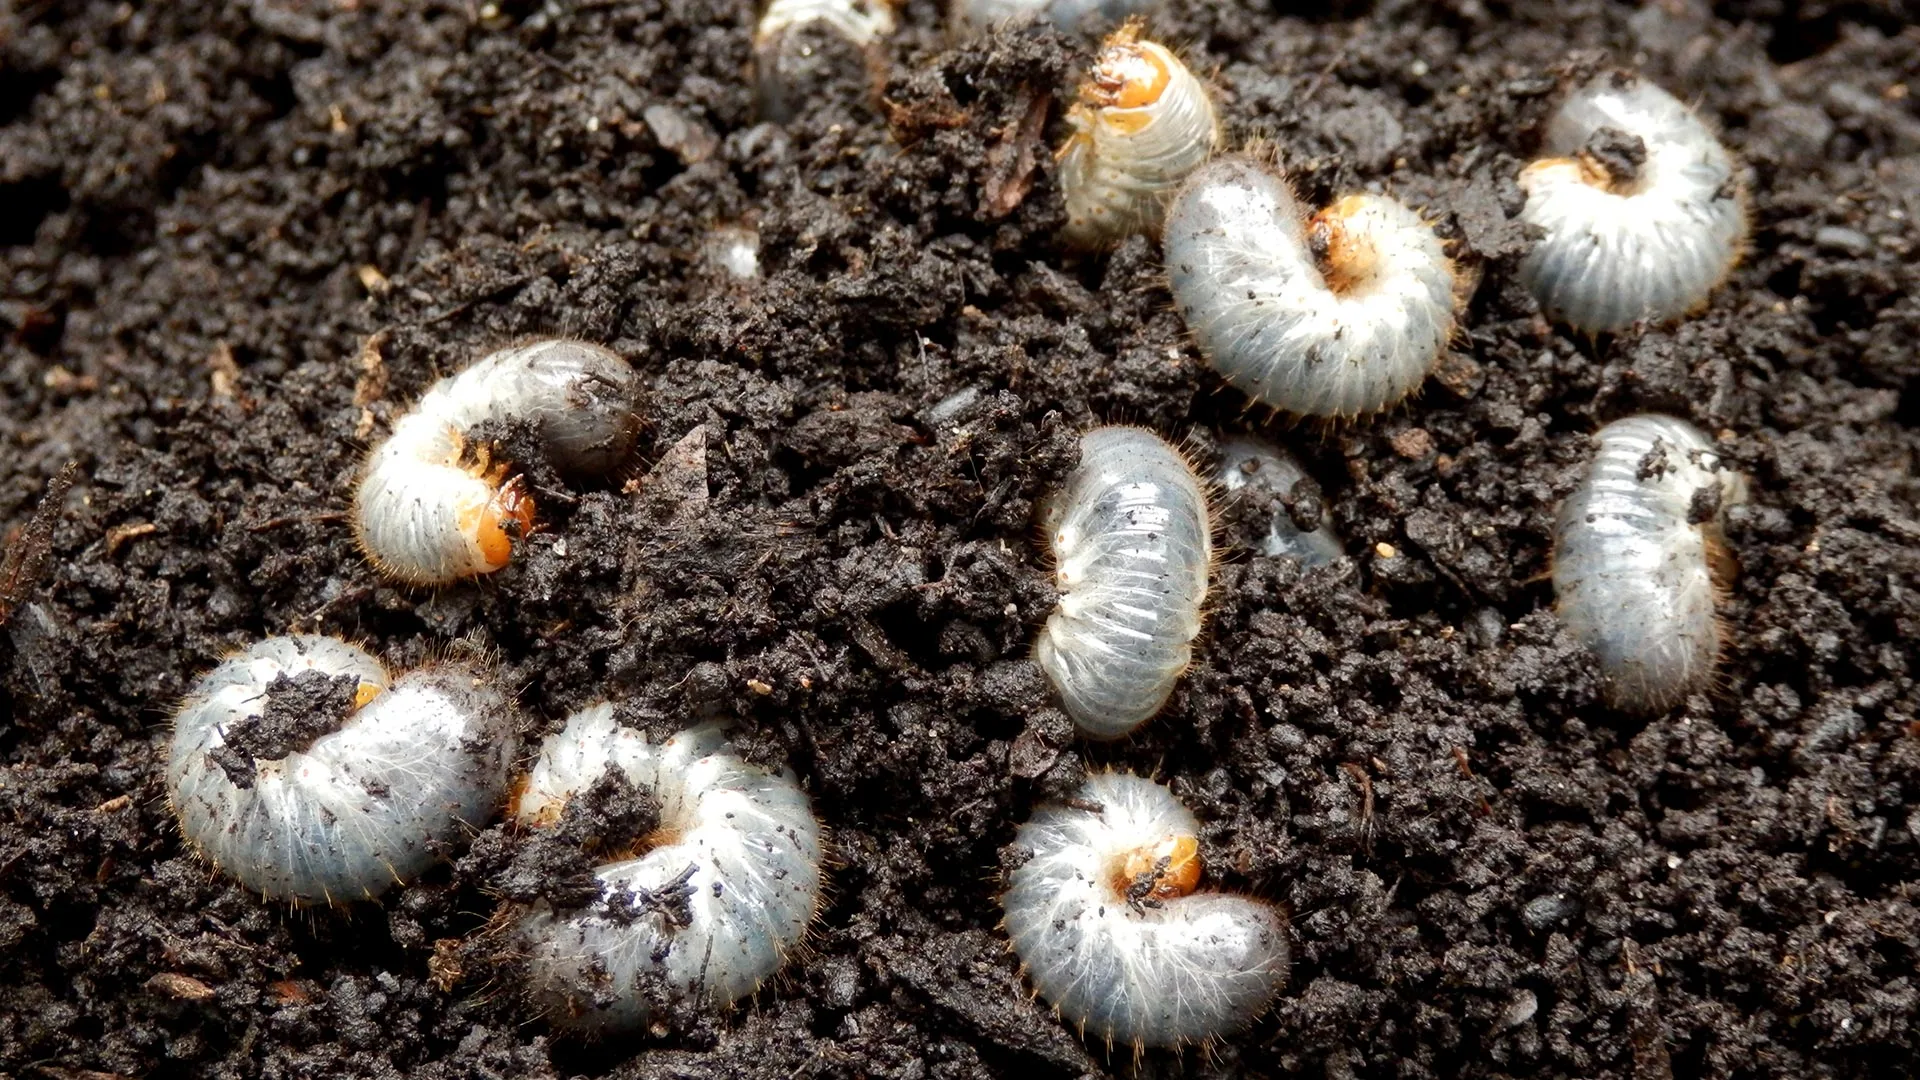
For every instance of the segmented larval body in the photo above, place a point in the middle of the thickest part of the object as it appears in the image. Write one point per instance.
(974, 16)
(1247, 464)
(788, 67)
(1132, 546)
(1639, 203)
(405, 779)
(432, 506)
(1639, 564)
(859, 21)
(1109, 930)
(1142, 124)
(724, 892)
(1338, 315)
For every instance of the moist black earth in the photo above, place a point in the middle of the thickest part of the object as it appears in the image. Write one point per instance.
(238, 238)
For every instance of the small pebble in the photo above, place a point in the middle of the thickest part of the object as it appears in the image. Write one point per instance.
(1835, 239)
(1413, 444)
(1543, 912)
(1520, 1009)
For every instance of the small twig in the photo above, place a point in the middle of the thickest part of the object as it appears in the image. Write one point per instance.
(1366, 803)
(27, 554)
(1466, 770)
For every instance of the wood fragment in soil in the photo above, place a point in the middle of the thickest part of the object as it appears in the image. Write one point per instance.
(180, 987)
(909, 125)
(1010, 161)
(120, 535)
(444, 967)
(223, 372)
(1360, 776)
(372, 384)
(27, 550)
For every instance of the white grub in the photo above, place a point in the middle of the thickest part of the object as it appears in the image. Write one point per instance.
(1642, 212)
(1338, 315)
(971, 17)
(788, 67)
(433, 506)
(711, 908)
(1109, 930)
(1248, 464)
(416, 767)
(1142, 124)
(1639, 563)
(1132, 544)
(735, 251)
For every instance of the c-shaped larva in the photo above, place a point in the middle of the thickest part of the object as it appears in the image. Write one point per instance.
(1132, 544)
(976, 16)
(434, 506)
(1337, 315)
(1642, 211)
(1639, 563)
(1142, 124)
(416, 766)
(1109, 930)
(787, 68)
(721, 893)
(1247, 463)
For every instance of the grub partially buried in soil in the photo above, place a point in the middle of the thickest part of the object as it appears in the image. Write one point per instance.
(238, 239)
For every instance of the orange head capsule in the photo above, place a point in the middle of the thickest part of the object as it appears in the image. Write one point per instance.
(1143, 122)
(494, 524)
(1347, 259)
(364, 694)
(1129, 74)
(1720, 558)
(1159, 871)
(1585, 167)
(1594, 171)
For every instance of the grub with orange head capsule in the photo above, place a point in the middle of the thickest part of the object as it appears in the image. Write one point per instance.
(1338, 314)
(1105, 917)
(434, 505)
(1143, 122)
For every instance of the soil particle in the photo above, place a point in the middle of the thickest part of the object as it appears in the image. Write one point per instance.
(242, 237)
(299, 709)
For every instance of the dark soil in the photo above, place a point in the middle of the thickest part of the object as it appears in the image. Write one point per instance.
(237, 238)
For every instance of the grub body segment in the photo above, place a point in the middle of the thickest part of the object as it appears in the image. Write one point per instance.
(1132, 546)
(1637, 571)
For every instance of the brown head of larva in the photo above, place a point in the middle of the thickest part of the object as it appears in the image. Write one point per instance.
(1129, 74)
(364, 694)
(507, 514)
(1347, 261)
(496, 523)
(1161, 871)
(1612, 160)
